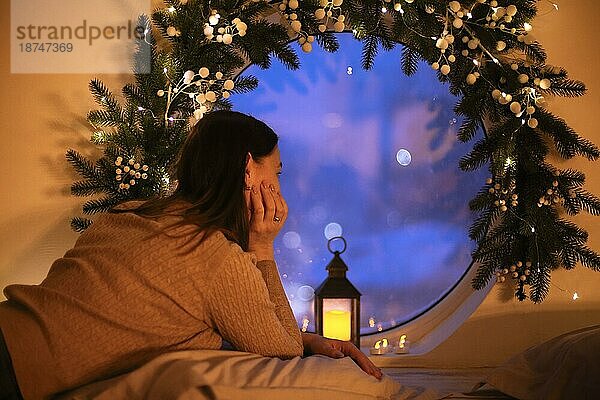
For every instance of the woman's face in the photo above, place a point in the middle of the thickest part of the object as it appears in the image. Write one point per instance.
(266, 170)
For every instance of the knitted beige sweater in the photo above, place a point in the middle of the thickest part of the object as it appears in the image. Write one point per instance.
(127, 292)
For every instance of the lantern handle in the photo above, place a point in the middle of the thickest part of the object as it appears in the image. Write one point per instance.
(334, 238)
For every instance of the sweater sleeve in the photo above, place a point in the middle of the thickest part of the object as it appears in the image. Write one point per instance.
(277, 295)
(245, 314)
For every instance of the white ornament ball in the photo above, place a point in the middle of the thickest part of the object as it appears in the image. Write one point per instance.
(213, 20)
(545, 83)
(532, 123)
(228, 84)
(211, 96)
(188, 76)
(473, 43)
(523, 78)
(296, 26)
(441, 43)
(172, 31)
(203, 72)
(198, 115)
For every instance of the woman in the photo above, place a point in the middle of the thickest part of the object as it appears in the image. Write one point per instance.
(177, 273)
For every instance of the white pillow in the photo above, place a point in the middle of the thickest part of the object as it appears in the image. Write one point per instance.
(218, 374)
(566, 367)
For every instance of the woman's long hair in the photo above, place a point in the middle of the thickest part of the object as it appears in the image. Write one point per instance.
(210, 174)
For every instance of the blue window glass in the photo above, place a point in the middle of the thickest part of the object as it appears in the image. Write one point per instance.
(373, 156)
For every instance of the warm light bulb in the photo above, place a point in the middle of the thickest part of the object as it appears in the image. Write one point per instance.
(383, 10)
(575, 296)
(171, 9)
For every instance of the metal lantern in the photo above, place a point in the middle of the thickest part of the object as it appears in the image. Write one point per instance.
(337, 302)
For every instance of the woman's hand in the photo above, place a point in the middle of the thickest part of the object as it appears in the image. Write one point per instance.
(315, 344)
(268, 212)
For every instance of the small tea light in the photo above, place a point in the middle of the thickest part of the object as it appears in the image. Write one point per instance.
(381, 347)
(403, 345)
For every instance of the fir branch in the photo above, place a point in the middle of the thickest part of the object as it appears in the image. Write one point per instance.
(468, 129)
(81, 164)
(245, 84)
(87, 188)
(103, 204)
(410, 61)
(79, 224)
(328, 42)
(540, 284)
(485, 272)
(567, 88)
(589, 258)
(369, 51)
(567, 142)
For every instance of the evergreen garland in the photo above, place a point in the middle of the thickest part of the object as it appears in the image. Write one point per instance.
(481, 48)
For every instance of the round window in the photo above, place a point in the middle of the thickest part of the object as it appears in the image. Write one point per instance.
(372, 156)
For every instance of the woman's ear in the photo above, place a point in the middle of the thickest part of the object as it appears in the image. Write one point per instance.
(249, 168)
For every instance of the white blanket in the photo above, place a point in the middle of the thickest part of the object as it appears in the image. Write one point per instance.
(217, 374)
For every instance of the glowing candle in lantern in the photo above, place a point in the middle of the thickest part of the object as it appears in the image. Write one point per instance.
(336, 324)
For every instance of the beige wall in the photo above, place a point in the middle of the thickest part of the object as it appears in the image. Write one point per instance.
(43, 115)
